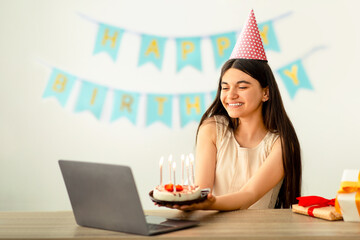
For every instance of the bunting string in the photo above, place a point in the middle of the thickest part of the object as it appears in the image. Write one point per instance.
(158, 106)
(91, 97)
(188, 53)
(294, 75)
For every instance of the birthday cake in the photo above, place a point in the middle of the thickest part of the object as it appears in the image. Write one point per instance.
(181, 193)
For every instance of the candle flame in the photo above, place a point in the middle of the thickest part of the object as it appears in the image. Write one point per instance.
(187, 161)
(161, 161)
(174, 165)
(182, 157)
(191, 157)
(170, 158)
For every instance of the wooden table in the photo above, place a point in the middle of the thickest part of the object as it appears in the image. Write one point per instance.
(244, 224)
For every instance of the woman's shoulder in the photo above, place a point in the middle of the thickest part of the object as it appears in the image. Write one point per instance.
(214, 122)
(273, 136)
(215, 127)
(207, 129)
(220, 119)
(272, 140)
(208, 124)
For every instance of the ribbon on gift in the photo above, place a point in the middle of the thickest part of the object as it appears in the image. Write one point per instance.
(315, 202)
(350, 187)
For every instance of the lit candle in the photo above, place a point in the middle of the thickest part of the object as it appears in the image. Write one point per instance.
(170, 161)
(187, 170)
(182, 168)
(160, 165)
(192, 169)
(174, 167)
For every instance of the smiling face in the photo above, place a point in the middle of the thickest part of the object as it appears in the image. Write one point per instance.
(242, 95)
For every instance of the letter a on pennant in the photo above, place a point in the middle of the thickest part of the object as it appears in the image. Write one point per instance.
(59, 86)
(108, 40)
(152, 50)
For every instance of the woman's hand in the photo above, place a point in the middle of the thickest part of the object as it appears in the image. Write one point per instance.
(195, 206)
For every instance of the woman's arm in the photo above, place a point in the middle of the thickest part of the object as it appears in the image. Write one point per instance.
(269, 174)
(205, 163)
(206, 154)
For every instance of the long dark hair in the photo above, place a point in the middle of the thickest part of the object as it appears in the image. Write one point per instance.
(275, 120)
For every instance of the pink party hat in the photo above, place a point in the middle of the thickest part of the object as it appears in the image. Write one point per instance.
(249, 44)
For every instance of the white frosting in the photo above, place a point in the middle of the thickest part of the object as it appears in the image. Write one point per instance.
(186, 194)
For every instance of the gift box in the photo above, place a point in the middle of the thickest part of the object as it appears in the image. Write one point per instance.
(348, 197)
(316, 206)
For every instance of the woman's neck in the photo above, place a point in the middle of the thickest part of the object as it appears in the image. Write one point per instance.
(250, 131)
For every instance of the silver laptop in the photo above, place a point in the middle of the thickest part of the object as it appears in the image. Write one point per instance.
(105, 196)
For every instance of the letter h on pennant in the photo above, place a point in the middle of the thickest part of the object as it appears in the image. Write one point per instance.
(108, 40)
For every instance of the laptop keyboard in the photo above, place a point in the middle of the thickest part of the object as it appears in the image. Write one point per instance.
(157, 226)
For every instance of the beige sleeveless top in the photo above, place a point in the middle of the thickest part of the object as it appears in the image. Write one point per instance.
(235, 165)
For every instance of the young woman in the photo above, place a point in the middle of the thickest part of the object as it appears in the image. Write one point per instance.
(247, 150)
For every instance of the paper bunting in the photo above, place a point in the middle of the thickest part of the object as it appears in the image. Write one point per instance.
(108, 40)
(125, 104)
(192, 107)
(188, 53)
(152, 50)
(268, 36)
(188, 50)
(159, 109)
(91, 97)
(213, 95)
(59, 86)
(222, 46)
(294, 77)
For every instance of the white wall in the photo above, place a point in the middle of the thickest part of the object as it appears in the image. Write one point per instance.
(36, 132)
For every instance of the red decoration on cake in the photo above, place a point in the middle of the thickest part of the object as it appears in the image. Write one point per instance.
(169, 187)
(172, 192)
(179, 188)
(249, 44)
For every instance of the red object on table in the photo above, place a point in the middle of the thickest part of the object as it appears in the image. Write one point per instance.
(316, 202)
